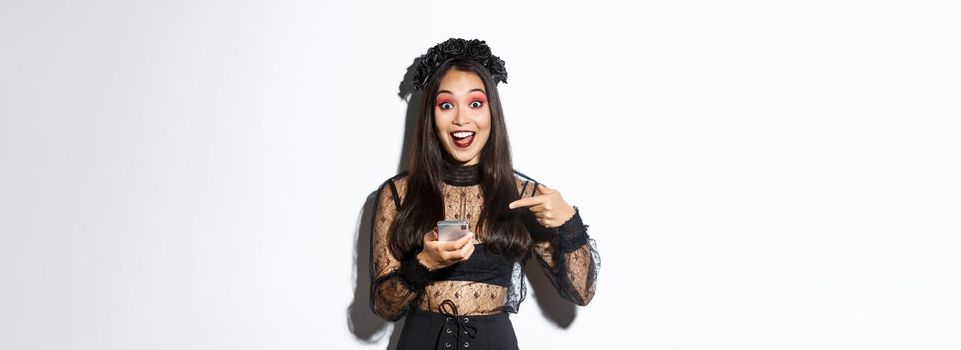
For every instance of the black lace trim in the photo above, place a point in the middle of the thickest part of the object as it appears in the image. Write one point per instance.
(463, 175)
(572, 234)
(415, 275)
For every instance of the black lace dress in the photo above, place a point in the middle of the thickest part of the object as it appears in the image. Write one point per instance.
(466, 305)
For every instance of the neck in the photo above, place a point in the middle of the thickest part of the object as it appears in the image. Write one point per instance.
(461, 175)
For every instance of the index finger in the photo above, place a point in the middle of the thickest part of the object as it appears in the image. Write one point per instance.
(525, 202)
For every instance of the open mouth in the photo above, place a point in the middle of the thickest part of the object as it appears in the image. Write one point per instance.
(463, 139)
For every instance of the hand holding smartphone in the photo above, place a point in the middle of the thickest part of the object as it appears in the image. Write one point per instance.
(449, 243)
(452, 230)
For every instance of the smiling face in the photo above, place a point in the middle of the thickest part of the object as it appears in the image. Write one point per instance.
(462, 118)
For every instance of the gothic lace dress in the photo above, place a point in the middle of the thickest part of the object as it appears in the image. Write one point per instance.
(486, 283)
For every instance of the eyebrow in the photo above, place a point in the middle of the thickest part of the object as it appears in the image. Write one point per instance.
(472, 90)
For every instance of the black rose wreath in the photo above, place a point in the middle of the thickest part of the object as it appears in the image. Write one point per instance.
(456, 47)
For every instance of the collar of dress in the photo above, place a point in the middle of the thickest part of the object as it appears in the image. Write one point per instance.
(461, 175)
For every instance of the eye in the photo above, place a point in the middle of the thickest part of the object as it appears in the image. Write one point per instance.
(478, 104)
(446, 104)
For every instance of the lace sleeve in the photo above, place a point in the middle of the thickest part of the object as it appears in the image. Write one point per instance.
(395, 284)
(569, 257)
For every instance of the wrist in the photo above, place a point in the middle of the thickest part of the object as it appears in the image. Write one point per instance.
(422, 259)
(414, 274)
(569, 212)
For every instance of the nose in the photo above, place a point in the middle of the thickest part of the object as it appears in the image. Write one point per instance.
(461, 118)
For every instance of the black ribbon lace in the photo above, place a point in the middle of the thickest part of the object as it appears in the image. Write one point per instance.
(449, 309)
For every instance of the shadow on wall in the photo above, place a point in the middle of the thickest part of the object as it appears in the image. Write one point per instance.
(367, 326)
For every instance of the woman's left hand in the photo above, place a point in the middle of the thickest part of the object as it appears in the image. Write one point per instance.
(548, 206)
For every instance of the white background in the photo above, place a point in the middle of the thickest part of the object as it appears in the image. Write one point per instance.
(757, 174)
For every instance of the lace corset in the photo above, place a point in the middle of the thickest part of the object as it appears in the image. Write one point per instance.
(487, 282)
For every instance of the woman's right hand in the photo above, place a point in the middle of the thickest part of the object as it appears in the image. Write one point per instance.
(440, 254)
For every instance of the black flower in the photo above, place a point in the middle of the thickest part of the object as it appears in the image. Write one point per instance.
(453, 46)
(473, 49)
(497, 69)
(422, 73)
(478, 50)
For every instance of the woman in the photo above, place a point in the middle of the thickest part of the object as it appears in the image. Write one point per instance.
(457, 294)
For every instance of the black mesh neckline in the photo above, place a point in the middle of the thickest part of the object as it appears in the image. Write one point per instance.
(463, 175)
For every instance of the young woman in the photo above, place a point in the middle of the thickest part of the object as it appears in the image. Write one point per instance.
(458, 293)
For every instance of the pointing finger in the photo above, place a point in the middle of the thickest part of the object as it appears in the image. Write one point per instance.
(537, 208)
(523, 202)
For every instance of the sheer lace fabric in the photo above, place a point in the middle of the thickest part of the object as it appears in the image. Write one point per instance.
(566, 254)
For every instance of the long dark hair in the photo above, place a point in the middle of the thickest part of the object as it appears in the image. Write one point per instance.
(423, 204)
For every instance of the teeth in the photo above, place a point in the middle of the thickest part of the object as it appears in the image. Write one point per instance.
(462, 134)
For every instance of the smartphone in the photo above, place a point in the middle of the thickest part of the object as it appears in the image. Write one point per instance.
(452, 230)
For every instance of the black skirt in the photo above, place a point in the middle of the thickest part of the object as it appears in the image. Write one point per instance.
(431, 330)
